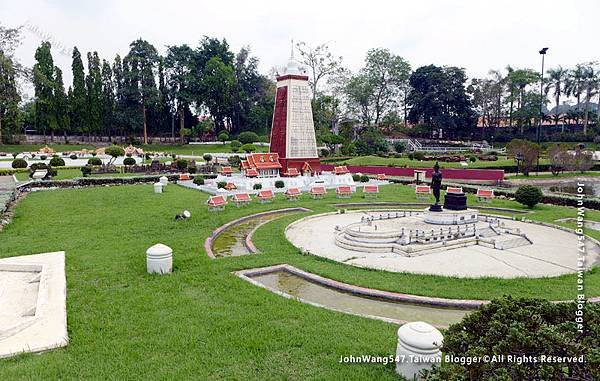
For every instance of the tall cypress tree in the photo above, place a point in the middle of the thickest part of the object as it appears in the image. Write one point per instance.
(93, 84)
(107, 99)
(77, 101)
(43, 83)
(61, 107)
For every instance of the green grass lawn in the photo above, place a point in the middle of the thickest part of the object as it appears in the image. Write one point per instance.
(186, 149)
(404, 161)
(202, 322)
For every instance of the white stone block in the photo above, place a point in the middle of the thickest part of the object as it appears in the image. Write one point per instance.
(418, 348)
(158, 187)
(159, 259)
(163, 180)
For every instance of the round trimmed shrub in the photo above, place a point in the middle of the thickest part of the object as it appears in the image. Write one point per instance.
(529, 195)
(411, 156)
(19, 163)
(235, 145)
(279, 184)
(207, 157)
(192, 168)
(86, 170)
(182, 164)
(356, 177)
(43, 157)
(95, 161)
(199, 180)
(115, 151)
(248, 148)
(419, 155)
(221, 184)
(57, 162)
(364, 179)
(472, 159)
(257, 186)
(73, 157)
(129, 161)
(248, 137)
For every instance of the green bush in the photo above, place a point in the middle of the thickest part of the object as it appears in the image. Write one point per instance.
(248, 137)
(207, 157)
(257, 186)
(221, 184)
(234, 161)
(399, 146)
(525, 328)
(356, 177)
(86, 170)
(248, 148)
(529, 195)
(411, 156)
(43, 157)
(182, 164)
(279, 184)
(223, 136)
(57, 162)
(199, 180)
(472, 159)
(19, 163)
(192, 168)
(419, 155)
(364, 179)
(73, 157)
(235, 145)
(129, 161)
(94, 161)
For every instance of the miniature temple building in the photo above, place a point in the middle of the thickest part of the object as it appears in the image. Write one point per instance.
(261, 165)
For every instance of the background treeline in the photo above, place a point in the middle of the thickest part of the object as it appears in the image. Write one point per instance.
(199, 92)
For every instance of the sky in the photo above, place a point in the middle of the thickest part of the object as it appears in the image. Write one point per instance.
(476, 35)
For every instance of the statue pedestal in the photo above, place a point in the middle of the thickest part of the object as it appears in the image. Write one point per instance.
(455, 201)
(451, 217)
(435, 208)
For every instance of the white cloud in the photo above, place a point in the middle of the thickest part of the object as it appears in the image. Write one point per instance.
(476, 35)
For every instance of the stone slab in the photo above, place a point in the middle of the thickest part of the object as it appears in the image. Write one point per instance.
(33, 317)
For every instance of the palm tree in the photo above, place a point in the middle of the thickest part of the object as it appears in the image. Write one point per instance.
(556, 81)
(574, 86)
(591, 79)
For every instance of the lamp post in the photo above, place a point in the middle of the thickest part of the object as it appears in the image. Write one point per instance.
(519, 158)
(539, 129)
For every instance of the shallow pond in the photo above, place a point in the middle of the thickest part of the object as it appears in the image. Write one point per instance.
(232, 241)
(308, 291)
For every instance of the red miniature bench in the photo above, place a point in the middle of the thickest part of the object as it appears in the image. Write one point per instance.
(292, 194)
(318, 191)
(454, 190)
(343, 191)
(340, 170)
(485, 195)
(184, 177)
(381, 177)
(292, 172)
(241, 199)
(422, 191)
(216, 203)
(266, 195)
(226, 171)
(370, 191)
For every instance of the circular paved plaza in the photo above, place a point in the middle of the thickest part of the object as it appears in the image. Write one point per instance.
(551, 251)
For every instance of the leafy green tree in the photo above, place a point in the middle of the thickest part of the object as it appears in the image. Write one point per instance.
(371, 142)
(331, 141)
(218, 84)
(77, 101)
(439, 100)
(114, 152)
(248, 148)
(142, 60)
(524, 150)
(43, 83)
(556, 83)
(10, 68)
(179, 69)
